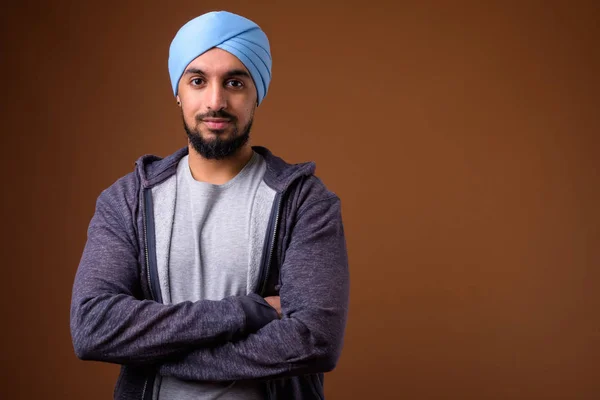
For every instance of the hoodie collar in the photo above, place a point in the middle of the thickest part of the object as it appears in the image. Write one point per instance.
(278, 175)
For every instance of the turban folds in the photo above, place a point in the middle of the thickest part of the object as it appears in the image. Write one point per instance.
(230, 32)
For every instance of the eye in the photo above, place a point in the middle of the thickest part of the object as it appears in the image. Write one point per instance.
(234, 83)
(197, 81)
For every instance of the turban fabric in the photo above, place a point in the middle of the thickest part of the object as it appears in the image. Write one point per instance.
(230, 32)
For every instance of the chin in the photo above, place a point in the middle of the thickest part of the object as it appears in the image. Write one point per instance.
(212, 133)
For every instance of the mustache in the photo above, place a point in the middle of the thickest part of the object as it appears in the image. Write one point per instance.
(216, 114)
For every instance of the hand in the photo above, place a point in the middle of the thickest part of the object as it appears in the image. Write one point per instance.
(275, 303)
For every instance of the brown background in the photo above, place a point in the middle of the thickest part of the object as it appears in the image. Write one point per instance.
(462, 139)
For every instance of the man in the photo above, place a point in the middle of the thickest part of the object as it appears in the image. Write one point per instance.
(219, 271)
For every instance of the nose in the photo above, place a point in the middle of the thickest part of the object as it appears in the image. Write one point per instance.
(216, 98)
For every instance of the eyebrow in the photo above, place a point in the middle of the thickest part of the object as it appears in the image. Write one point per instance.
(233, 72)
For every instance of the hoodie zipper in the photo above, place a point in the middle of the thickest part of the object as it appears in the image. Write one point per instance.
(146, 203)
(150, 263)
(144, 391)
(266, 267)
(146, 248)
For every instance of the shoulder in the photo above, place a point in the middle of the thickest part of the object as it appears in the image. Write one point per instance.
(122, 196)
(149, 170)
(300, 177)
(311, 191)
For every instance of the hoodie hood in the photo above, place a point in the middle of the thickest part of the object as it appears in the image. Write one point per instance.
(278, 175)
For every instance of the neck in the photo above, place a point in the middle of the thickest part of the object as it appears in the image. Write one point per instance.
(218, 172)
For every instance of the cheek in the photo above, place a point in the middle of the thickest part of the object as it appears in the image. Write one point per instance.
(189, 101)
(185, 110)
(189, 108)
(189, 117)
(248, 110)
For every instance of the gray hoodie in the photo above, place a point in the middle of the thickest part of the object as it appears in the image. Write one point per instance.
(117, 313)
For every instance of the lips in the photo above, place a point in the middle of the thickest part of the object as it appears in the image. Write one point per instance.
(216, 123)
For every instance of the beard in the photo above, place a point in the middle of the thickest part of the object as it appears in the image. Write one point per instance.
(218, 148)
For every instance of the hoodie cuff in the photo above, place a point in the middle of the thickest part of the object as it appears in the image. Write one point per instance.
(258, 312)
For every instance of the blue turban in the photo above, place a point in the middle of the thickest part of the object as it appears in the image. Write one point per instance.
(230, 32)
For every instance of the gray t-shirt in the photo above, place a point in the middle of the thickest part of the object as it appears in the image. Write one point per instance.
(209, 258)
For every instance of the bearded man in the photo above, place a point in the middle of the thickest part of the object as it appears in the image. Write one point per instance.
(220, 271)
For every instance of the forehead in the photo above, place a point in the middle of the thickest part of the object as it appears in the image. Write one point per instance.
(217, 62)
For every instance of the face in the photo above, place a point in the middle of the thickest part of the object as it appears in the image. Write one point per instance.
(217, 98)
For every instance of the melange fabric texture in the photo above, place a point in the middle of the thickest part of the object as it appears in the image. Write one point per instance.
(209, 244)
(118, 314)
(209, 259)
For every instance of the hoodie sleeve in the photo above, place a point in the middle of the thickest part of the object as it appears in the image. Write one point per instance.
(110, 320)
(314, 299)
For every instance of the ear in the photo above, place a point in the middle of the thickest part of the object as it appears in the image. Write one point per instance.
(178, 101)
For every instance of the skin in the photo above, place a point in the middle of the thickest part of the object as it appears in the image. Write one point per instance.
(275, 302)
(218, 81)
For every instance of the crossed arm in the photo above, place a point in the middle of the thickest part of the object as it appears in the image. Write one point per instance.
(239, 337)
